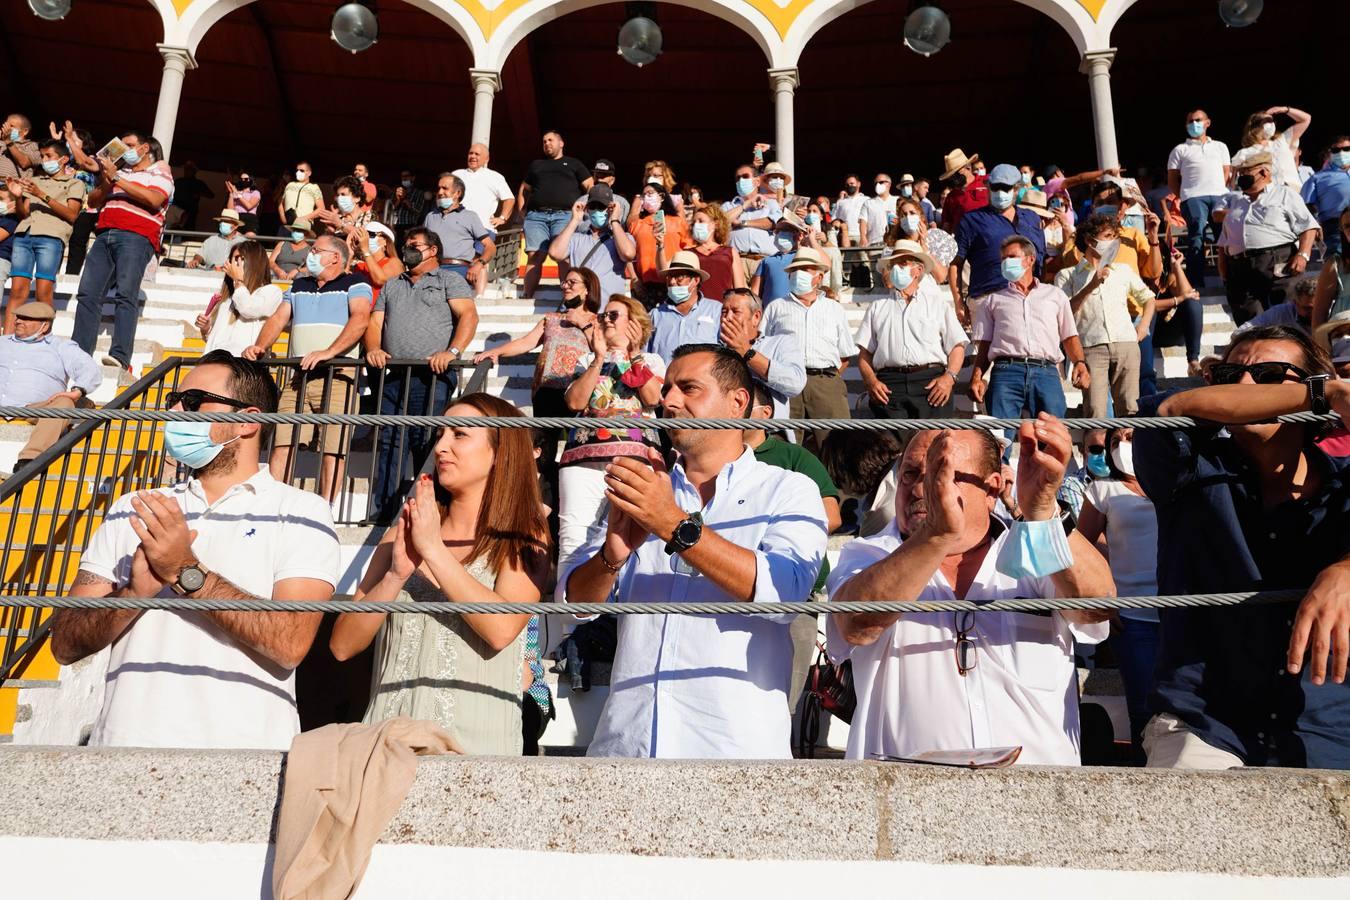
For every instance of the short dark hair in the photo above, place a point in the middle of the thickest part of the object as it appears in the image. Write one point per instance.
(353, 184)
(1316, 360)
(859, 460)
(761, 395)
(426, 234)
(148, 140)
(1108, 187)
(250, 383)
(728, 369)
(53, 144)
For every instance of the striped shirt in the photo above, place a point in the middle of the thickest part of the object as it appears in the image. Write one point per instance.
(318, 314)
(120, 212)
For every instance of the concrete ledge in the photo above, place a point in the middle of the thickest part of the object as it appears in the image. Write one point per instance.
(1260, 822)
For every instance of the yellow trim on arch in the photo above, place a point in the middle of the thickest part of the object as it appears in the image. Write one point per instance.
(1093, 7)
(181, 6)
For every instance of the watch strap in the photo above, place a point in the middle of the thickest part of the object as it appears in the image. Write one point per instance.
(676, 544)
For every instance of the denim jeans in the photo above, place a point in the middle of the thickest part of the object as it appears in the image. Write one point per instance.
(1197, 211)
(542, 226)
(402, 451)
(1136, 645)
(117, 260)
(1017, 386)
(36, 258)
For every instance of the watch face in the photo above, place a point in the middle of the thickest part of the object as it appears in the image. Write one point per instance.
(191, 579)
(687, 532)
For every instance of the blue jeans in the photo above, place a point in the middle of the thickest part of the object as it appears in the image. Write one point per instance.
(36, 258)
(1136, 645)
(1197, 211)
(1014, 387)
(542, 226)
(402, 451)
(458, 268)
(117, 260)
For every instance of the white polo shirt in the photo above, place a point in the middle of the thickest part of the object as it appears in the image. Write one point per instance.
(915, 332)
(849, 210)
(1201, 166)
(484, 189)
(175, 679)
(822, 328)
(1022, 691)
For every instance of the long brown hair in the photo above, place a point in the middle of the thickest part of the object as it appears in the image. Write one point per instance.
(257, 272)
(511, 525)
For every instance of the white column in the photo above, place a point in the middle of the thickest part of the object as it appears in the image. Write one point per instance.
(784, 83)
(177, 60)
(1097, 65)
(486, 84)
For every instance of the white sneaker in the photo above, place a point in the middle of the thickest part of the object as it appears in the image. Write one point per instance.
(125, 377)
(107, 360)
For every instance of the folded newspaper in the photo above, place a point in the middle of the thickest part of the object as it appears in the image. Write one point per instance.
(977, 758)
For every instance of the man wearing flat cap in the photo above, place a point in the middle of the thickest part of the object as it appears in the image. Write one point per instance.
(37, 370)
(1267, 236)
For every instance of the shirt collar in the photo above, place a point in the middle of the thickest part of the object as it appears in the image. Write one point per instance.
(256, 485)
(737, 469)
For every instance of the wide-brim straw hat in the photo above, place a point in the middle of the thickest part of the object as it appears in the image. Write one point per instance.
(807, 258)
(685, 263)
(910, 250)
(1322, 334)
(775, 168)
(956, 161)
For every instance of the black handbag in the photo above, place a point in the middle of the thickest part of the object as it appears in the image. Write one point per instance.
(829, 689)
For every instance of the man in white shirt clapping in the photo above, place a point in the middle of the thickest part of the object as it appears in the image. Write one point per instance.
(966, 680)
(721, 526)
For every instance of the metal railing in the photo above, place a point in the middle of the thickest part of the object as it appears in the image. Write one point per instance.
(506, 260)
(176, 243)
(49, 509)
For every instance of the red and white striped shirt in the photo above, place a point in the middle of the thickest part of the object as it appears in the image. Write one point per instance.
(120, 212)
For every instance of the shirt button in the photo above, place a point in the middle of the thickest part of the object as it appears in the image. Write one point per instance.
(1272, 535)
(1274, 716)
(1261, 735)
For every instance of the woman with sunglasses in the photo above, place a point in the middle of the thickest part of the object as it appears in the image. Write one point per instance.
(615, 380)
(1120, 520)
(1333, 284)
(488, 543)
(236, 313)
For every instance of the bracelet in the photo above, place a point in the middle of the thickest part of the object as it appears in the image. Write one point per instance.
(604, 561)
(1080, 362)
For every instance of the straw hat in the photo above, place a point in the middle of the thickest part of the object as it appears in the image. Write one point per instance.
(775, 168)
(955, 161)
(807, 258)
(910, 250)
(1037, 202)
(227, 215)
(685, 263)
(1323, 333)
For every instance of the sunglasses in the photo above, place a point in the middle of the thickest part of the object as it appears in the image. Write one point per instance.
(193, 398)
(1341, 149)
(611, 316)
(1262, 372)
(1001, 187)
(965, 644)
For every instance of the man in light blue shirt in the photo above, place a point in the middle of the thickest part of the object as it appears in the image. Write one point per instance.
(685, 316)
(775, 362)
(35, 370)
(720, 527)
(752, 214)
(1328, 192)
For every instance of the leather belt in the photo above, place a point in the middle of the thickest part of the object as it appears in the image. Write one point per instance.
(1026, 361)
(456, 262)
(831, 372)
(909, 370)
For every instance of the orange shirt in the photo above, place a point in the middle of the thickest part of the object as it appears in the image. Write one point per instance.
(677, 238)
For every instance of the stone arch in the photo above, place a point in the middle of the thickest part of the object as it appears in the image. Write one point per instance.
(531, 15)
(201, 15)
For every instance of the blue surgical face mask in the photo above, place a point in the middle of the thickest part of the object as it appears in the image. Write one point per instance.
(1034, 550)
(346, 203)
(374, 246)
(190, 443)
(776, 184)
(14, 134)
(1195, 129)
(445, 202)
(1096, 464)
(1107, 210)
(131, 157)
(1133, 221)
(51, 166)
(813, 220)
(1001, 199)
(1012, 268)
(678, 293)
(901, 277)
(744, 186)
(801, 282)
(313, 263)
(910, 223)
(1026, 178)
(297, 235)
(31, 339)
(599, 218)
(701, 231)
(785, 243)
(225, 229)
(907, 191)
(1341, 158)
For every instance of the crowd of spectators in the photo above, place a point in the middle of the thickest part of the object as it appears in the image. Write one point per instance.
(677, 303)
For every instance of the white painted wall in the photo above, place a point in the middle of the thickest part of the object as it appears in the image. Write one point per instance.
(111, 870)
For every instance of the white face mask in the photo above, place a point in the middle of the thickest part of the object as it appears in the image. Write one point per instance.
(301, 175)
(880, 188)
(1268, 130)
(1123, 457)
(910, 223)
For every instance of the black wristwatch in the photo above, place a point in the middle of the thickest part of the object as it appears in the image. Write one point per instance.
(685, 535)
(1317, 393)
(190, 580)
(749, 354)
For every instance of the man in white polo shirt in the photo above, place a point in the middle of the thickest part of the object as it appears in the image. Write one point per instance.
(1198, 170)
(485, 190)
(205, 679)
(970, 680)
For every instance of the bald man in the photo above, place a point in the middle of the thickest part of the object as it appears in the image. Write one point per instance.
(485, 190)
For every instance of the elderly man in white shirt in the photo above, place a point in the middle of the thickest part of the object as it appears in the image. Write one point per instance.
(721, 527)
(775, 362)
(969, 680)
(1198, 171)
(485, 190)
(911, 344)
(1268, 234)
(1100, 292)
(217, 679)
(821, 326)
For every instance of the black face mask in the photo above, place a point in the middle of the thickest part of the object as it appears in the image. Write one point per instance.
(1244, 182)
(852, 189)
(246, 182)
(957, 181)
(412, 258)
